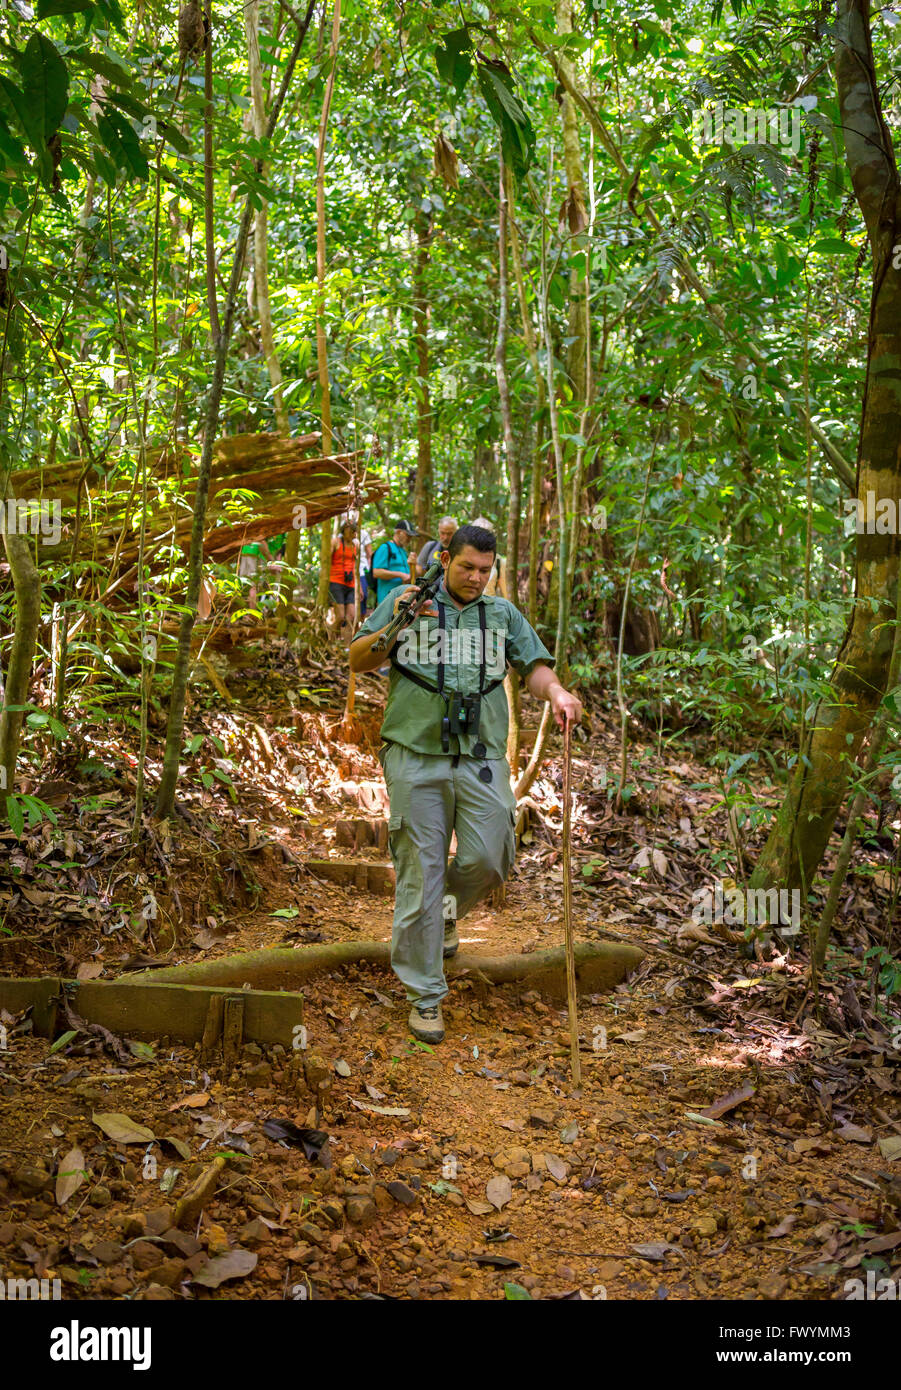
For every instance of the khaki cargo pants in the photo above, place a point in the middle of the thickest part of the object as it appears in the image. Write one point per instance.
(430, 799)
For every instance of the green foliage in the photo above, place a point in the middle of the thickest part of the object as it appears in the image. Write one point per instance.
(93, 103)
(889, 969)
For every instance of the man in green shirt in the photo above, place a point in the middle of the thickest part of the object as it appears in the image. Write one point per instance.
(444, 758)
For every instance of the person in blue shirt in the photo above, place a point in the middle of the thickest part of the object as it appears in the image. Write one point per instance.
(391, 562)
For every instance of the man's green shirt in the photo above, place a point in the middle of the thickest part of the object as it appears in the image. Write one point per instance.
(413, 715)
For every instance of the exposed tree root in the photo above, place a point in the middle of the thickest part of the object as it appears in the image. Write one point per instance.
(599, 966)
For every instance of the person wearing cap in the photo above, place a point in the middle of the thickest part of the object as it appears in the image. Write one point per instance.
(444, 757)
(391, 563)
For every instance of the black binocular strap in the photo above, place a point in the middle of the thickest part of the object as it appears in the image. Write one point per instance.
(439, 690)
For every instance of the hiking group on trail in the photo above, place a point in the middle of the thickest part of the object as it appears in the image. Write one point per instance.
(377, 570)
(444, 738)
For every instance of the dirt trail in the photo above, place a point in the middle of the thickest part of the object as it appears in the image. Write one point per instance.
(492, 1171)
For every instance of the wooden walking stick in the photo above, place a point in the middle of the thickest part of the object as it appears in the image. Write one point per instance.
(568, 906)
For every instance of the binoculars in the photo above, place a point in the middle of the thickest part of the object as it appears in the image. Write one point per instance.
(463, 715)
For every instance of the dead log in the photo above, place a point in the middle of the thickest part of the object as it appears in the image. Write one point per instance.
(600, 966)
(354, 873)
(295, 485)
(356, 834)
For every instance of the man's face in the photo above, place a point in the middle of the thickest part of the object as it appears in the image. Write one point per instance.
(401, 538)
(467, 573)
(446, 533)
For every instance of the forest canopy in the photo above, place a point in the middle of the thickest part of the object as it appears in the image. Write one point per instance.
(599, 273)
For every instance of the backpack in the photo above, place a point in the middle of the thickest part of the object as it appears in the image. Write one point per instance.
(397, 559)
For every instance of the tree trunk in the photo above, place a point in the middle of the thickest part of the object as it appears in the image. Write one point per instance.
(838, 724)
(208, 170)
(514, 473)
(166, 795)
(575, 178)
(264, 306)
(877, 743)
(562, 563)
(261, 219)
(482, 454)
(27, 587)
(423, 494)
(528, 333)
(325, 547)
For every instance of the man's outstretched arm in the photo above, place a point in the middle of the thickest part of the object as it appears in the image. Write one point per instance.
(544, 685)
(361, 655)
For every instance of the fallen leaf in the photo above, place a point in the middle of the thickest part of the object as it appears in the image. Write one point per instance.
(655, 1250)
(314, 1142)
(37, 896)
(784, 1227)
(181, 1148)
(168, 1180)
(478, 1207)
(70, 1176)
(555, 1166)
(497, 1261)
(728, 1102)
(122, 1128)
(193, 1102)
(570, 1134)
(380, 1109)
(236, 1264)
(441, 1188)
(854, 1134)
(694, 931)
(880, 1243)
(661, 863)
(805, 1146)
(499, 1190)
(701, 1119)
(204, 938)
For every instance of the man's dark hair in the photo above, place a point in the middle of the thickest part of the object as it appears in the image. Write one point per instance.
(476, 536)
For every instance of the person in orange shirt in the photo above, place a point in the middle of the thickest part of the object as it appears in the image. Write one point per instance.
(343, 579)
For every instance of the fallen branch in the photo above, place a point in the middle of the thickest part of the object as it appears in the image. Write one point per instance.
(600, 966)
(189, 1207)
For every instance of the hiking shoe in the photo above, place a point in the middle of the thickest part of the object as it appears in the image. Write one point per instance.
(427, 1024)
(451, 938)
